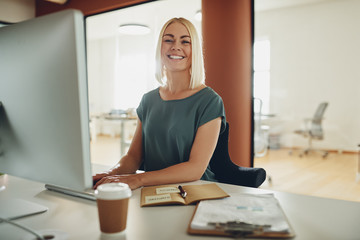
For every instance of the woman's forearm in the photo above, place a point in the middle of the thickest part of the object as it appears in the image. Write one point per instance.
(126, 165)
(182, 172)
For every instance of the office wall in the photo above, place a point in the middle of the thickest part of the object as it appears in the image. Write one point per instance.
(101, 74)
(106, 71)
(16, 10)
(315, 56)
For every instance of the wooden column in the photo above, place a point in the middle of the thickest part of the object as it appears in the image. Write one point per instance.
(228, 39)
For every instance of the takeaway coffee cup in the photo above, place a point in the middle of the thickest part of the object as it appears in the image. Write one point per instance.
(112, 202)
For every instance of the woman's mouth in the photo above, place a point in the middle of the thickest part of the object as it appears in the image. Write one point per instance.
(175, 57)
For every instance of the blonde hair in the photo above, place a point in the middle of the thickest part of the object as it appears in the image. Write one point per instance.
(197, 70)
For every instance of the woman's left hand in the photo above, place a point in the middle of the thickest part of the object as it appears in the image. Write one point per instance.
(133, 180)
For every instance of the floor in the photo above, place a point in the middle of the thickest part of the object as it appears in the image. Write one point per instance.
(105, 150)
(333, 177)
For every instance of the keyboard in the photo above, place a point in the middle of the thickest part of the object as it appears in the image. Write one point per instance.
(86, 194)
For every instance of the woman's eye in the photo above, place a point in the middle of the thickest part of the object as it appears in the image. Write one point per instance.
(186, 42)
(168, 40)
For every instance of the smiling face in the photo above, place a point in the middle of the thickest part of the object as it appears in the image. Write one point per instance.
(176, 48)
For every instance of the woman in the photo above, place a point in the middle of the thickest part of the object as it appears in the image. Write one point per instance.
(179, 122)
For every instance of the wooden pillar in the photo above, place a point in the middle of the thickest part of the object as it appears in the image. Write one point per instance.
(228, 38)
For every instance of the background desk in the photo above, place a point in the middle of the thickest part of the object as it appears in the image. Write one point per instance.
(311, 217)
(113, 124)
(124, 143)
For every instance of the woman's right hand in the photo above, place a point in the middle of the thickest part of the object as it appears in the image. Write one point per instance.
(97, 177)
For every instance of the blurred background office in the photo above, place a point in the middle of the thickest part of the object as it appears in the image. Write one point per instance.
(305, 52)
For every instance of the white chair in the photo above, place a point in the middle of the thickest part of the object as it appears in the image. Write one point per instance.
(313, 130)
(260, 139)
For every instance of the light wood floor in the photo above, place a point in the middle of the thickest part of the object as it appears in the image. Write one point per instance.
(332, 177)
(105, 150)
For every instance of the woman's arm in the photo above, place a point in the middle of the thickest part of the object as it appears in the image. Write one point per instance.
(200, 155)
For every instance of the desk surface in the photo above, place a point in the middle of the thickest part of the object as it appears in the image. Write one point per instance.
(310, 217)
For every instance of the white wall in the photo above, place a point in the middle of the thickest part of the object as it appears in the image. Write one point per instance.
(101, 74)
(315, 57)
(107, 71)
(16, 10)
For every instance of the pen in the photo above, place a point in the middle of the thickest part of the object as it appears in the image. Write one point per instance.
(182, 191)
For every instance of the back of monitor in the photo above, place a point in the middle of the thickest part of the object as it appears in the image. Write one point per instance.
(44, 118)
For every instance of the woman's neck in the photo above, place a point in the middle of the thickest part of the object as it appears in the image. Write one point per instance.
(176, 91)
(177, 82)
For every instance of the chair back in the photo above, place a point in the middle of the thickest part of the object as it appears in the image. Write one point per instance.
(227, 172)
(316, 123)
(260, 139)
(220, 156)
(319, 114)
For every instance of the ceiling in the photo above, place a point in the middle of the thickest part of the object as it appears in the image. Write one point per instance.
(154, 14)
(265, 5)
(105, 25)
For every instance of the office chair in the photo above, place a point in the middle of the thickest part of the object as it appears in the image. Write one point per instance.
(260, 139)
(228, 172)
(313, 130)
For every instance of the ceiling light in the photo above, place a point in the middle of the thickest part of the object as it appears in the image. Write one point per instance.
(134, 29)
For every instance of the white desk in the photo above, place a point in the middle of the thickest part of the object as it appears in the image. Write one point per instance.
(311, 217)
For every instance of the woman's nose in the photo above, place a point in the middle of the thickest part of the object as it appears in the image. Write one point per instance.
(175, 46)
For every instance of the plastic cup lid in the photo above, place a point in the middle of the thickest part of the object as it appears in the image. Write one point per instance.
(112, 191)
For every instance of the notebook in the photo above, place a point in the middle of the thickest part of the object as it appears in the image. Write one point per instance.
(171, 194)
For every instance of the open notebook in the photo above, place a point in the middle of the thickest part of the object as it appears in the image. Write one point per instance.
(170, 194)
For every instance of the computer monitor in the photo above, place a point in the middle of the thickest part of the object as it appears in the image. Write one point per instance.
(44, 118)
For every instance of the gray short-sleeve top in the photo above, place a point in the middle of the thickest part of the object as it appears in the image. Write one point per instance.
(169, 127)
